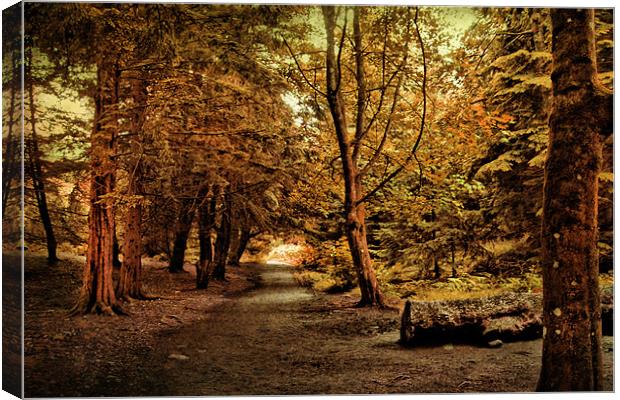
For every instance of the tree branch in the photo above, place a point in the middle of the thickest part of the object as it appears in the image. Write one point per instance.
(386, 86)
(338, 63)
(301, 71)
(422, 122)
(361, 82)
(395, 100)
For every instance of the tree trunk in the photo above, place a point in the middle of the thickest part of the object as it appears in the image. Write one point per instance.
(36, 171)
(9, 167)
(572, 310)
(245, 235)
(222, 243)
(453, 263)
(235, 237)
(355, 213)
(97, 292)
(205, 224)
(436, 270)
(358, 245)
(183, 227)
(116, 252)
(130, 277)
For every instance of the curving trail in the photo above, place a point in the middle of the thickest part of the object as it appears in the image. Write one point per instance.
(282, 339)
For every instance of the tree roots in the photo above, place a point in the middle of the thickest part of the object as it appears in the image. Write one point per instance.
(82, 308)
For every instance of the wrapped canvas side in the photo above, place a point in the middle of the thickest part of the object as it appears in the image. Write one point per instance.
(12, 200)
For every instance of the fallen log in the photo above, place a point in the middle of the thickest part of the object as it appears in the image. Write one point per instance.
(508, 317)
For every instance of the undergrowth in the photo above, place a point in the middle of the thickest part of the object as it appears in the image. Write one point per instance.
(329, 269)
(464, 286)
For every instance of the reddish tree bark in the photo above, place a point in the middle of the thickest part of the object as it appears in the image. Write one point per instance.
(130, 276)
(97, 292)
(571, 299)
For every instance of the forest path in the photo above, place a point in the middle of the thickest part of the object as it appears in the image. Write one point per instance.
(282, 339)
(238, 338)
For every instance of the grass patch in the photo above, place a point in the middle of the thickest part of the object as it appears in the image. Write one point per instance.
(465, 286)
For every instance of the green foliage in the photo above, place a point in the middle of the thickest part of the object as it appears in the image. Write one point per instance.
(329, 269)
(410, 239)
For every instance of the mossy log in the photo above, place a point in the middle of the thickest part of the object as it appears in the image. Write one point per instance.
(507, 317)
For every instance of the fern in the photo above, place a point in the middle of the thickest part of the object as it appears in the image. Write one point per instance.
(606, 177)
(539, 160)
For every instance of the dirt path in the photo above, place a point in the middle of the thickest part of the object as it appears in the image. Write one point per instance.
(276, 338)
(282, 339)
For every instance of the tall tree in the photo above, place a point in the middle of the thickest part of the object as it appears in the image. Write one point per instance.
(367, 116)
(355, 212)
(581, 112)
(92, 39)
(187, 210)
(11, 42)
(97, 292)
(222, 243)
(35, 169)
(130, 277)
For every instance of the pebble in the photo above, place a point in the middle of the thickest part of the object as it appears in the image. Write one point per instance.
(495, 344)
(175, 356)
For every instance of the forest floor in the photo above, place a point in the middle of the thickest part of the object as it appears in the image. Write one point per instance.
(258, 333)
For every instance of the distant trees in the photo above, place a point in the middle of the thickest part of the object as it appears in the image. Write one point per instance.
(177, 109)
(221, 141)
(509, 87)
(12, 113)
(33, 158)
(35, 176)
(490, 105)
(581, 115)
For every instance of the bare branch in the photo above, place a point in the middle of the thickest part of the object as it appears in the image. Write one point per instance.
(516, 33)
(386, 131)
(338, 63)
(387, 85)
(395, 99)
(219, 133)
(484, 51)
(301, 71)
(422, 122)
